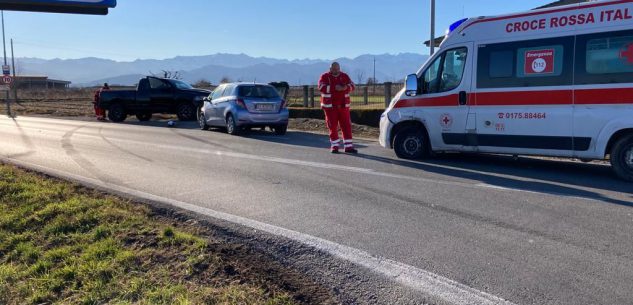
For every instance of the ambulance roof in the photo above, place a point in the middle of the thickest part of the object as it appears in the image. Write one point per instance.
(548, 22)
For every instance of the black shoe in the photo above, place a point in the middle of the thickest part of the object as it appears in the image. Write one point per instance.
(334, 150)
(351, 151)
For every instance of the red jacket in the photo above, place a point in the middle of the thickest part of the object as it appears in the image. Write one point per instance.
(97, 96)
(329, 96)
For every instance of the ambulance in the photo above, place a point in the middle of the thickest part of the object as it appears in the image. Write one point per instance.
(550, 82)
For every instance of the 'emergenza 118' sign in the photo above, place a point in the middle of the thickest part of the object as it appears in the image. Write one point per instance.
(570, 20)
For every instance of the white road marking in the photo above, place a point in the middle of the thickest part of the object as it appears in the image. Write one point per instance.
(420, 280)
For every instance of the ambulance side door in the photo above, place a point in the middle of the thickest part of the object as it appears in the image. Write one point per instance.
(524, 97)
(443, 100)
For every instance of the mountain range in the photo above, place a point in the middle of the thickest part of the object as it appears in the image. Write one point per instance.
(213, 68)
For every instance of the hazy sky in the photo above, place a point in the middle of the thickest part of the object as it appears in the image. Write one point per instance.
(289, 29)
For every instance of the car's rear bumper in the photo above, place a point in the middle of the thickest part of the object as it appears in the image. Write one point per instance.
(245, 118)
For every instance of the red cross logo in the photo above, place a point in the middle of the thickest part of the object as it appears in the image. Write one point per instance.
(446, 120)
(628, 54)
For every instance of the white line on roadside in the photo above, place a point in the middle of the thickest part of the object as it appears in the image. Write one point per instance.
(420, 280)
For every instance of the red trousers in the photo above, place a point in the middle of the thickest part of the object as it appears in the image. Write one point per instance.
(335, 117)
(99, 112)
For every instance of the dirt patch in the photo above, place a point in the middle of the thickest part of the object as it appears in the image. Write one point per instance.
(319, 126)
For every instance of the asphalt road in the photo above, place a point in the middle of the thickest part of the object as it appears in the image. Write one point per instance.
(529, 231)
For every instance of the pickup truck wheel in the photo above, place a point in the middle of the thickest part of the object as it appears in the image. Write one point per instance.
(411, 144)
(622, 158)
(186, 112)
(202, 121)
(144, 117)
(231, 125)
(116, 113)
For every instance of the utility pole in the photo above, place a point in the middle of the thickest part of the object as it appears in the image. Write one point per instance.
(4, 46)
(374, 75)
(15, 83)
(432, 41)
(4, 43)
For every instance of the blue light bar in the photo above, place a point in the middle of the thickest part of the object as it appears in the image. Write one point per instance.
(455, 25)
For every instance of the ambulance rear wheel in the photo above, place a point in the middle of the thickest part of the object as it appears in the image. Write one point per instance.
(411, 144)
(622, 158)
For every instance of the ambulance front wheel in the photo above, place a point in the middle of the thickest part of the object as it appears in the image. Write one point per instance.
(622, 158)
(411, 144)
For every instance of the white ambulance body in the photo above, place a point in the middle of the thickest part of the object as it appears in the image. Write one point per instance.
(552, 82)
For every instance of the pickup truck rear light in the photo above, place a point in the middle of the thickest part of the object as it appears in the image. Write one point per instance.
(240, 103)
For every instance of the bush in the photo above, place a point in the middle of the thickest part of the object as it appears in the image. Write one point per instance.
(367, 117)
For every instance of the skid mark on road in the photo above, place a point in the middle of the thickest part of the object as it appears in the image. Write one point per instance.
(84, 163)
(121, 148)
(196, 139)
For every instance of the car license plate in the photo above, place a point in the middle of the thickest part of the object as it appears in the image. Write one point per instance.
(265, 107)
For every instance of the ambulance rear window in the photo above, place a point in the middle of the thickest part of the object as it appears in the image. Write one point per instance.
(604, 58)
(610, 55)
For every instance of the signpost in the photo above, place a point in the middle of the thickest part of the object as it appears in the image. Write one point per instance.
(91, 7)
(7, 80)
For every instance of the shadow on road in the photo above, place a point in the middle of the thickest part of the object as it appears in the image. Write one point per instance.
(297, 138)
(550, 177)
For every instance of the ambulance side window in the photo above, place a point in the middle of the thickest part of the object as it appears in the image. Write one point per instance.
(604, 58)
(453, 69)
(529, 63)
(430, 79)
(445, 73)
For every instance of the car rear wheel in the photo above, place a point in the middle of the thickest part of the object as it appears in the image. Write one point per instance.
(186, 112)
(116, 113)
(411, 144)
(231, 125)
(202, 121)
(281, 129)
(622, 158)
(144, 117)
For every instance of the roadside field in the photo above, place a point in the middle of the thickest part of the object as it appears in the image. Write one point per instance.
(61, 243)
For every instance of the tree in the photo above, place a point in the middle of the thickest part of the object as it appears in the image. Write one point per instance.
(372, 82)
(168, 74)
(203, 83)
(225, 79)
(360, 76)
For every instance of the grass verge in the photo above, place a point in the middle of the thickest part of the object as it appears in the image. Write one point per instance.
(63, 244)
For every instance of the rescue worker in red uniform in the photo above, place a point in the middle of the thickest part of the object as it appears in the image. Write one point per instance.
(335, 87)
(100, 112)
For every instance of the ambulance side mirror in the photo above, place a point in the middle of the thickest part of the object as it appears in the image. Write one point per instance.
(411, 85)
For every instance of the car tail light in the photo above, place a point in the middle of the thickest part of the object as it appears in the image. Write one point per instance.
(240, 103)
(284, 105)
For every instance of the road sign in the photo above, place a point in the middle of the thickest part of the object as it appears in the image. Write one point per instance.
(7, 80)
(6, 70)
(94, 7)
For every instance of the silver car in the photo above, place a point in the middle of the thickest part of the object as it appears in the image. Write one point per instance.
(239, 106)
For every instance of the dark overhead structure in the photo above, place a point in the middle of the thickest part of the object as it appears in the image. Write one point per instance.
(90, 7)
